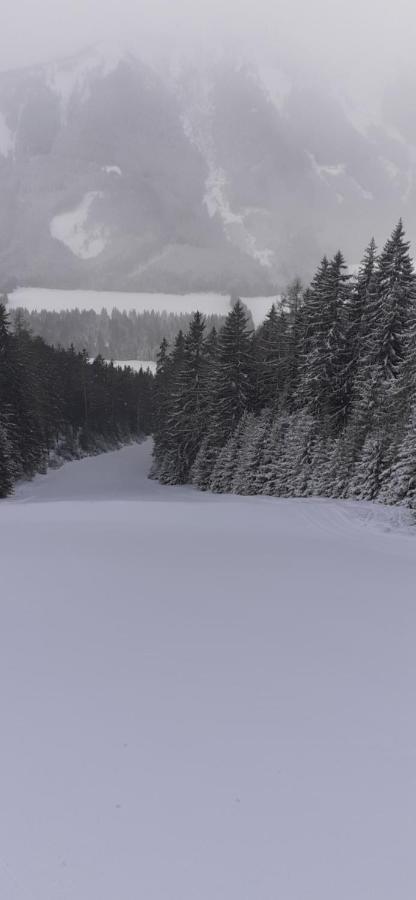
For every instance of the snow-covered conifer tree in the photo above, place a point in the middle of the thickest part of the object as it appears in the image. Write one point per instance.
(323, 389)
(187, 419)
(247, 473)
(227, 459)
(366, 479)
(401, 484)
(6, 464)
(270, 360)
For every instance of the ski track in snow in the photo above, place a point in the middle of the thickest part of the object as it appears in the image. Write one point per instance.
(202, 696)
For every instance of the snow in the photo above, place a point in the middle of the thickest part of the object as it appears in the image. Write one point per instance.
(56, 299)
(135, 364)
(366, 195)
(390, 167)
(75, 229)
(6, 137)
(203, 697)
(197, 126)
(112, 170)
(277, 85)
(338, 170)
(216, 201)
(235, 226)
(324, 172)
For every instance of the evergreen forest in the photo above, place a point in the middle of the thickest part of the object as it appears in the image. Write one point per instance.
(318, 401)
(55, 405)
(119, 335)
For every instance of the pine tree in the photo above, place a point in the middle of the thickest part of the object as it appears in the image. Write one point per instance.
(270, 357)
(31, 449)
(301, 450)
(228, 378)
(297, 340)
(6, 464)
(324, 383)
(292, 470)
(162, 399)
(223, 473)
(359, 318)
(232, 389)
(401, 485)
(166, 450)
(366, 480)
(187, 421)
(203, 467)
(7, 405)
(246, 480)
(270, 465)
(391, 302)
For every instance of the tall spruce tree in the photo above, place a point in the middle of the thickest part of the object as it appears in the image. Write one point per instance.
(229, 384)
(270, 360)
(187, 420)
(325, 383)
(232, 389)
(358, 324)
(391, 301)
(162, 390)
(6, 463)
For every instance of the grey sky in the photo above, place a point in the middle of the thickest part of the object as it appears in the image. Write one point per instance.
(330, 36)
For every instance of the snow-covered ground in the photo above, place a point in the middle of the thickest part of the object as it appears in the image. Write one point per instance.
(51, 299)
(75, 230)
(202, 697)
(135, 364)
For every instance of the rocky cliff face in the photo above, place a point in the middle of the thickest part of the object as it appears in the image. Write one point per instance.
(230, 177)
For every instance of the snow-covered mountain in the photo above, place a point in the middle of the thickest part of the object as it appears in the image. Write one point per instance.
(120, 174)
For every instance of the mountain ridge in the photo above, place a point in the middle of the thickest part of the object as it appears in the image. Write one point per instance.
(226, 176)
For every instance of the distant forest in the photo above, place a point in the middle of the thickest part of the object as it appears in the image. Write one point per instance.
(119, 335)
(320, 400)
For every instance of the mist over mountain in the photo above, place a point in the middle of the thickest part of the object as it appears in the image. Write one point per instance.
(210, 174)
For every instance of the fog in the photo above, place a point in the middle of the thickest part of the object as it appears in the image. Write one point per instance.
(266, 194)
(366, 43)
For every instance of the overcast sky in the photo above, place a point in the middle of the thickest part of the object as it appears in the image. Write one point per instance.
(333, 37)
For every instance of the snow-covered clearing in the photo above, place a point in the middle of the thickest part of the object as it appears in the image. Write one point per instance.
(135, 364)
(56, 299)
(202, 697)
(74, 229)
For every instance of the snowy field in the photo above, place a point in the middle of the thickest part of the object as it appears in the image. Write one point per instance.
(51, 299)
(202, 697)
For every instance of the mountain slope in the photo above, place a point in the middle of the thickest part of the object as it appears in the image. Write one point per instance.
(118, 174)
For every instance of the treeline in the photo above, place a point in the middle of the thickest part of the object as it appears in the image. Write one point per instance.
(119, 335)
(320, 400)
(55, 405)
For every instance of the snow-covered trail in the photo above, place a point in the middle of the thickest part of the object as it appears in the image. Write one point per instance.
(201, 697)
